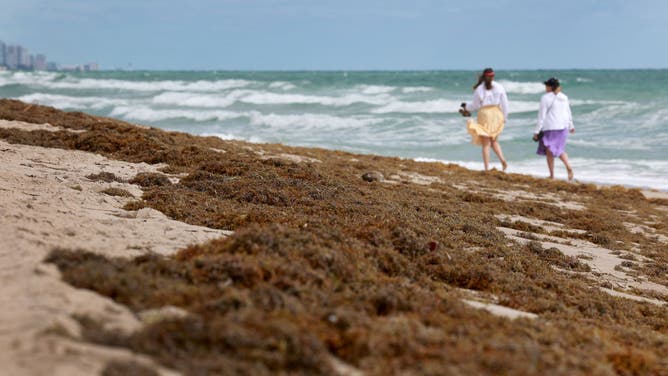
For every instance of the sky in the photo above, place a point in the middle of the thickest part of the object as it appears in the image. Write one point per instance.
(342, 34)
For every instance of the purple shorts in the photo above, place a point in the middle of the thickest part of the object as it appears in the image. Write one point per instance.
(555, 141)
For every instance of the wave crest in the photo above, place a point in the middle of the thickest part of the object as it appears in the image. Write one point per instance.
(522, 87)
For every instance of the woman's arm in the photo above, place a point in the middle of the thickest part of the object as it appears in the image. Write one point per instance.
(542, 112)
(504, 105)
(571, 126)
(470, 107)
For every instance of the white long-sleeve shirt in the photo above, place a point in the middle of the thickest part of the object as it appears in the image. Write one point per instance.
(554, 113)
(483, 97)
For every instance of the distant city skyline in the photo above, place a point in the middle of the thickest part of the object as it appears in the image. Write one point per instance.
(343, 34)
(18, 57)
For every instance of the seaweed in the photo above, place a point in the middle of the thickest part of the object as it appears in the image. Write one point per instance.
(119, 192)
(127, 368)
(106, 177)
(325, 267)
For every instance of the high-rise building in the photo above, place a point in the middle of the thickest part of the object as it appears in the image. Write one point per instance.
(16, 56)
(12, 57)
(3, 48)
(39, 62)
(24, 58)
(90, 67)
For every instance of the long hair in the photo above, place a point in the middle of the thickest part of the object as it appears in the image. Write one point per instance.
(481, 78)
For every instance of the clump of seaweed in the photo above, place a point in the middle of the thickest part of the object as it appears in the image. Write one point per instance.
(555, 257)
(125, 368)
(107, 177)
(119, 192)
(523, 226)
(150, 179)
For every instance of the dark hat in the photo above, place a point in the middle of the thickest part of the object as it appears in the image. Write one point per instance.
(552, 82)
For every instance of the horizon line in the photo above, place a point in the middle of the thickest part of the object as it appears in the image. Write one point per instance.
(344, 70)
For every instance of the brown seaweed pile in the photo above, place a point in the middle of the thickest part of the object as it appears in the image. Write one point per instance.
(327, 272)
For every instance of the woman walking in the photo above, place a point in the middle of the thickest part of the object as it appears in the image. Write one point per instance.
(554, 121)
(491, 102)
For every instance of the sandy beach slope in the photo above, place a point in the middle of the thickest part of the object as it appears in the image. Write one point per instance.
(267, 258)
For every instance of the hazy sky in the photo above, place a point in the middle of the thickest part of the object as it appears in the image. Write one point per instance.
(342, 34)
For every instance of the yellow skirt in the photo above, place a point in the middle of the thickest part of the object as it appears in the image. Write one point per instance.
(489, 124)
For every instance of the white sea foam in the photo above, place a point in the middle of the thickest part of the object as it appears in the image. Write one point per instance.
(655, 120)
(444, 106)
(642, 174)
(256, 97)
(583, 102)
(254, 139)
(602, 143)
(141, 86)
(71, 102)
(522, 106)
(52, 80)
(25, 78)
(582, 79)
(309, 121)
(282, 85)
(224, 136)
(212, 100)
(414, 133)
(261, 98)
(633, 173)
(416, 89)
(373, 89)
(147, 114)
(523, 87)
(616, 111)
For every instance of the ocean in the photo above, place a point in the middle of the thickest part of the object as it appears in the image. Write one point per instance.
(621, 116)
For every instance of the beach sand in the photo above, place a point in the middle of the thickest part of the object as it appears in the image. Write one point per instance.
(47, 201)
(584, 272)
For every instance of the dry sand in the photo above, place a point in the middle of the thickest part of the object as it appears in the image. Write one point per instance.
(606, 265)
(46, 201)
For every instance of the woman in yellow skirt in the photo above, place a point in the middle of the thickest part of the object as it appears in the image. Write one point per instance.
(491, 102)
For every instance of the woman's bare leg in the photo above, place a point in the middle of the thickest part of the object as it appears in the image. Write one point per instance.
(564, 158)
(485, 151)
(550, 162)
(499, 153)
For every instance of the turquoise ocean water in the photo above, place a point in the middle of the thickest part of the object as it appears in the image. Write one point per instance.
(621, 116)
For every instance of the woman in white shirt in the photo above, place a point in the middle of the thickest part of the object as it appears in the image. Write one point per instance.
(491, 102)
(555, 121)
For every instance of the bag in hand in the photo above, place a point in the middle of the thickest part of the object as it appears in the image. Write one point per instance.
(540, 136)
